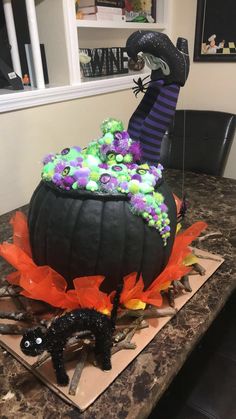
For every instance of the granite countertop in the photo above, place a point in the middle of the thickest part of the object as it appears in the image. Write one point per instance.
(136, 391)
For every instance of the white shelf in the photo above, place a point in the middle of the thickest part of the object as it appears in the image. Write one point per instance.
(12, 100)
(108, 24)
(125, 79)
(63, 35)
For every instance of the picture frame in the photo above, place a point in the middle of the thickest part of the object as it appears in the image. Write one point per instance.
(215, 32)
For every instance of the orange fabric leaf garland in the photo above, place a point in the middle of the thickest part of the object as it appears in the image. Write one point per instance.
(45, 284)
(21, 232)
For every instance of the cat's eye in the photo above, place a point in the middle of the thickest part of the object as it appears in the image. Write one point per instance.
(38, 341)
(27, 344)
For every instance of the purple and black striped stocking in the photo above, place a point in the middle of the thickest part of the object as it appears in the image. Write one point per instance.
(152, 118)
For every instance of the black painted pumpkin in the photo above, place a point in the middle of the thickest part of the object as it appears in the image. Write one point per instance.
(81, 233)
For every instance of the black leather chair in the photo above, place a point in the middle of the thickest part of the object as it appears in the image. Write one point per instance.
(199, 141)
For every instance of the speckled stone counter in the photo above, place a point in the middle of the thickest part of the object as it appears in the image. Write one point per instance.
(136, 391)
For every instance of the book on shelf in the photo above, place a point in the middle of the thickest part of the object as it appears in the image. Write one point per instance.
(110, 3)
(87, 10)
(110, 13)
(91, 16)
(84, 3)
(110, 16)
(109, 10)
(141, 11)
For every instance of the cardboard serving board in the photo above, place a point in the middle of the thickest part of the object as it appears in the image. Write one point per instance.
(87, 393)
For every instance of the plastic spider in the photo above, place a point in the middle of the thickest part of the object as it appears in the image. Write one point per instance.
(140, 85)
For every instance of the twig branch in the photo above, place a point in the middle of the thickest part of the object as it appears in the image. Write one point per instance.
(185, 281)
(177, 285)
(16, 298)
(205, 257)
(206, 236)
(126, 343)
(71, 342)
(11, 329)
(122, 333)
(199, 269)
(18, 316)
(41, 359)
(78, 371)
(148, 313)
(4, 291)
(171, 294)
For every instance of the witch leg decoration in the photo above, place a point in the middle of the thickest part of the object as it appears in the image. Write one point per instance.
(170, 68)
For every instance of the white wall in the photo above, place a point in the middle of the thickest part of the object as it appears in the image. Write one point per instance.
(210, 85)
(26, 136)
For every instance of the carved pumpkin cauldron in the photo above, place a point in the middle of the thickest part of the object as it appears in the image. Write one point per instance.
(81, 233)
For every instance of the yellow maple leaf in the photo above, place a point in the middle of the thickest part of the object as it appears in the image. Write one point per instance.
(190, 259)
(135, 304)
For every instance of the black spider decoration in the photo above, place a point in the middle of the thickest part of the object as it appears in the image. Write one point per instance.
(37, 340)
(140, 85)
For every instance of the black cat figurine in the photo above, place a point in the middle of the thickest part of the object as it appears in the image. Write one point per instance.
(54, 339)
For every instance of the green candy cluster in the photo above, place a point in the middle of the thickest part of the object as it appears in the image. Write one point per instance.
(111, 165)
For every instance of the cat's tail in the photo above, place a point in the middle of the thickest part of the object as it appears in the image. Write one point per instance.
(116, 302)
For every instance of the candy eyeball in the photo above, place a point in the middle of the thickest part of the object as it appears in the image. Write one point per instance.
(109, 165)
(38, 341)
(27, 344)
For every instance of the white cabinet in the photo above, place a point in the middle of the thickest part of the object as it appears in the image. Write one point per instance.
(63, 35)
(98, 34)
